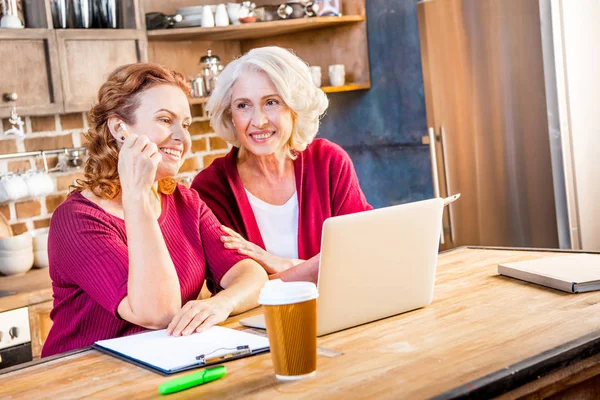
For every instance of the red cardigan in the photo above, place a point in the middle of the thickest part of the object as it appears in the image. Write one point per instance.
(326, 184)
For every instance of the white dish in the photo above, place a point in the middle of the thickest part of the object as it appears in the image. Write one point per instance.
(13, 262)
(17, 242)
(40, 259)
(40, 239)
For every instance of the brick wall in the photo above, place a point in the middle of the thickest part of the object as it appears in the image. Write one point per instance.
(60, 131)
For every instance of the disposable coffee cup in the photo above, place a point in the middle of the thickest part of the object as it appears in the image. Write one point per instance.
(291, 320)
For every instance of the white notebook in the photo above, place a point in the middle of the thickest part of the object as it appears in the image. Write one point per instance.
(171, 354)
(574, 274)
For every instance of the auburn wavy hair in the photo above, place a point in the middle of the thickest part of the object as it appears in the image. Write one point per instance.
(119, 97)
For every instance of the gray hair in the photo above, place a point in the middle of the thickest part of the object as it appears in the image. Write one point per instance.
(291, 77)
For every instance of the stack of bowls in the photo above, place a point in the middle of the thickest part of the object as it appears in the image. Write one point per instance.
(16, 254)
(40, 248)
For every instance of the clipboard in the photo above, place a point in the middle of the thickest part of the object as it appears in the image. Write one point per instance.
(167, 355)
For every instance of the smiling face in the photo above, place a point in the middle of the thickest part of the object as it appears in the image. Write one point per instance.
(263, 122)
(164, 117)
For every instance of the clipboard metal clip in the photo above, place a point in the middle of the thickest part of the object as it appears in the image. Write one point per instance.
(237, 352)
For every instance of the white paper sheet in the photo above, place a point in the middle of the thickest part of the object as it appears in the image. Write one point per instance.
(171, 353)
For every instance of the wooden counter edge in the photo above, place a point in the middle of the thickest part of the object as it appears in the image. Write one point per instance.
(25, 299)
(43, 360)
(528, 370)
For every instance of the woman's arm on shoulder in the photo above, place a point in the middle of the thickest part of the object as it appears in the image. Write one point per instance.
(270, 262)
(305, 271)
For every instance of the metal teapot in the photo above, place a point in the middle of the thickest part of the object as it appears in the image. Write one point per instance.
(211, 68)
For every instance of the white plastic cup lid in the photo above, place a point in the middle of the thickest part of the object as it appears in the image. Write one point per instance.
(278, 292)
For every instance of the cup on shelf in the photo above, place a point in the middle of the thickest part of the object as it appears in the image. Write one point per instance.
(208, 18)
(337, 75)
(291, 320)
(221, 17)
(315, 74)
(233, 11)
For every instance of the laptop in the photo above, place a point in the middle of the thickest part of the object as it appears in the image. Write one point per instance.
(376, 264)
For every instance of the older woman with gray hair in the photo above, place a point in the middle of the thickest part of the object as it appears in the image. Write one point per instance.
(273, 191)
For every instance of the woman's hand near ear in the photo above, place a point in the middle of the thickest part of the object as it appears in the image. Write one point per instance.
(138, 162)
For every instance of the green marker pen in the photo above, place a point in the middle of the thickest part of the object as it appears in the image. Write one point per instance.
(191, 380)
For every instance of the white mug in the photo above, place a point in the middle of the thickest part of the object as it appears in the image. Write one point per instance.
(233, 10)
(315, 74)
(221, 18)
(13, 188)
(208, 19)
(337, 75)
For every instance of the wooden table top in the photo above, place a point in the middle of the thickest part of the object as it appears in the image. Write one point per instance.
(32, 287)
(478, 323)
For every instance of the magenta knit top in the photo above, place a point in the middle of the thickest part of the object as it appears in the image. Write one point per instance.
(326, 184)
(87, 249)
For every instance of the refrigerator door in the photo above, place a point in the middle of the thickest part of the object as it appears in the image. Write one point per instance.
(484, 88)
(575, 55)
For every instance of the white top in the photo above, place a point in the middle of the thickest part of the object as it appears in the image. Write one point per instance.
(278, 225)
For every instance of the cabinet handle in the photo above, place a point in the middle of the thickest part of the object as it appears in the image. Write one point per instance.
(434, 172)
(10, 96)
(447, 179)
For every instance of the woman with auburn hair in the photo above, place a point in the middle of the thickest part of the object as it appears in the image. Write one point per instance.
(129, 248)
(278, 184)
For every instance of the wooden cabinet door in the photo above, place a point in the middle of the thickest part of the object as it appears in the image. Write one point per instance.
(88, 57)
(30, 68)
(39, 324)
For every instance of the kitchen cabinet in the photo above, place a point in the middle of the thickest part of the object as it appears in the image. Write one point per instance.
(320, 41)
(60, 70)
(39, 325)
(87, 57)
(38, 89)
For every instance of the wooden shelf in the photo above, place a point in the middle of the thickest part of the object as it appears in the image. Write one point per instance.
(198, 100)
(254, 30)
(327, 89)
(346, 88)
(25, 33)
(99, 34)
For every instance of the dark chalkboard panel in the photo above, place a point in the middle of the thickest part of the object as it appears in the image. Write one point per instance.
(381, 128)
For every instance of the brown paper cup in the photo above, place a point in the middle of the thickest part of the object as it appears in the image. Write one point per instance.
(292, 330)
